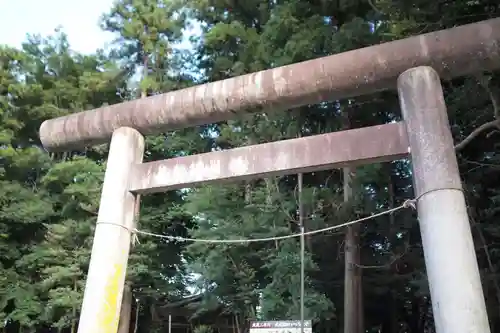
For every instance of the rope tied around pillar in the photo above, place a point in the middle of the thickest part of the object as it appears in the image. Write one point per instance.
(133, 232)
(412, 203)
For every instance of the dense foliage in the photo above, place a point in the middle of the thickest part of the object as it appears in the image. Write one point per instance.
(48, 202)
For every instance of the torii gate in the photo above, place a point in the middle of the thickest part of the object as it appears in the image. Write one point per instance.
(413, 65)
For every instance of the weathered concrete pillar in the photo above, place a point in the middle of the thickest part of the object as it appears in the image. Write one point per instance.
(110, 251)
(455, 285)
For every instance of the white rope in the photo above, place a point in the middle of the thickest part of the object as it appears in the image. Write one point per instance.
(407, 204)
(133, 232)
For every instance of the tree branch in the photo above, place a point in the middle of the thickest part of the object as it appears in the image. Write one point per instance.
(495, 101)
(486, 126)
(394, 258)
(484, 81)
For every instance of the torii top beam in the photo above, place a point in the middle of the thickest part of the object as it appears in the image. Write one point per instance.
(453, 52)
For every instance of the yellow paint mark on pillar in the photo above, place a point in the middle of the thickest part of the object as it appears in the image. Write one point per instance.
(109, 317)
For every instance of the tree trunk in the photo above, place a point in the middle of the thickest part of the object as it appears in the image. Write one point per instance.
(126, 310)
(353, 298)
(73, 320)
(238, 328)
(269, 203)
(137, 310)
(489, 260)
(393, 313)
(145, 64)
(353, 301)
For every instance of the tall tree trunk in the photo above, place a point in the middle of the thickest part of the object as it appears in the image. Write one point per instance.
(145, 64)
(269, 203)
(489, 260)
(238, 327)
(353, 299)
(393, 313)
(137, 311)
(126, 310)
(353, 290)
(73, 320)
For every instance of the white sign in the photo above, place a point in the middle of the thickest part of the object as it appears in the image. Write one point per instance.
(280, 326)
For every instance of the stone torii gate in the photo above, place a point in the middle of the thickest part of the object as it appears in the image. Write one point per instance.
(413, 66)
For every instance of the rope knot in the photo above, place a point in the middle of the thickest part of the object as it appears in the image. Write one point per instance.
(410, 203)
(135, 238)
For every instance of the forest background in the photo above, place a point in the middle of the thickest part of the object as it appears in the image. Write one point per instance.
(49, 201)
